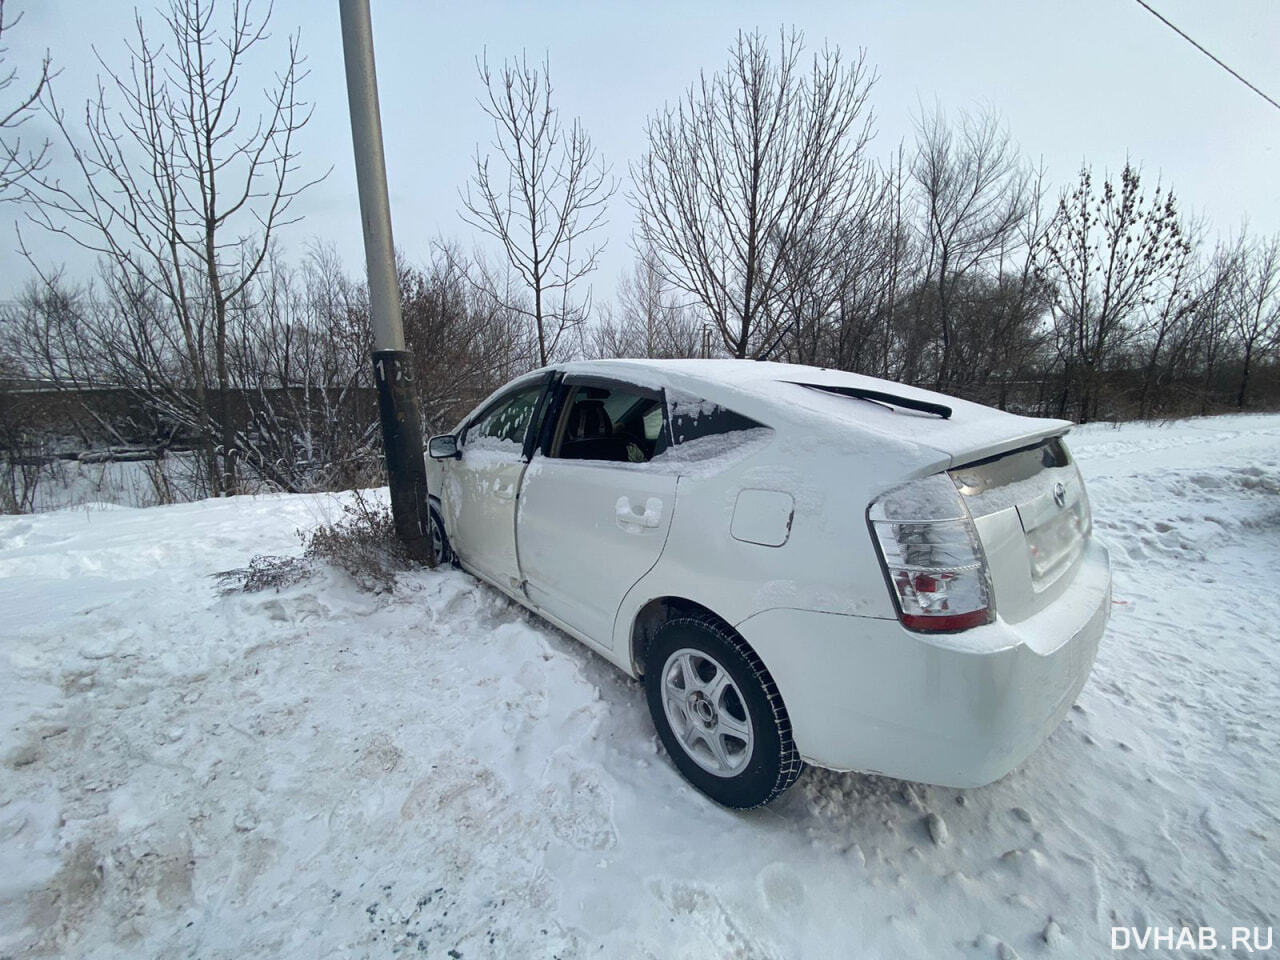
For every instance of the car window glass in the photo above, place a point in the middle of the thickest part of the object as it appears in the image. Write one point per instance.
(503, 428)
(653, 423)
(609, 423)
(693, 418)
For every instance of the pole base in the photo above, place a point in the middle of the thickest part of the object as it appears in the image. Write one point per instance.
(402, 441)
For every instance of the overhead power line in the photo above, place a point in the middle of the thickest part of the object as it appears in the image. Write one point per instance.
(1155, 13)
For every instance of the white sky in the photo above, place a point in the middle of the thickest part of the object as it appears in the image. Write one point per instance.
(1095, 80)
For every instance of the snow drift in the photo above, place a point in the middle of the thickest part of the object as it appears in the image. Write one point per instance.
(324, 772)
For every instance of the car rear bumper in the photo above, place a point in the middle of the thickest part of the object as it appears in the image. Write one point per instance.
(959, 710)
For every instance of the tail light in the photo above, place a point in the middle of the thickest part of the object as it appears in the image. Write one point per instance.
(932, 556)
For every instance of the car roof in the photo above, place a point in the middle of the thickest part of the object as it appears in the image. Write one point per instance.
(784, 390)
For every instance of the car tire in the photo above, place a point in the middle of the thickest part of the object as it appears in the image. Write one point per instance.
(719, 714)
(441, 551)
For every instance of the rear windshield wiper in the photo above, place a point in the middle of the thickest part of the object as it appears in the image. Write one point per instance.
(876, 396)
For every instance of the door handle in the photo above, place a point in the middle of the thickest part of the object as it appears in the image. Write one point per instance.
(629, 520)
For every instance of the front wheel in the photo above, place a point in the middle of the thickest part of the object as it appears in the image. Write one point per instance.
(441, 551)
(719, 713)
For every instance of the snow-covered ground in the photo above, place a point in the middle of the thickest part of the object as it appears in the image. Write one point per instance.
(322, 772)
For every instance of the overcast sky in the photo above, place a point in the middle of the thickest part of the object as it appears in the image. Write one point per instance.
(1074, 80)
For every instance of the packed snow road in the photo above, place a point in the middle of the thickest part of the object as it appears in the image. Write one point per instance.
(324, 772)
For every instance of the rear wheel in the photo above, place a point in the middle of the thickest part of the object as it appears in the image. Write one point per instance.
(719, 713)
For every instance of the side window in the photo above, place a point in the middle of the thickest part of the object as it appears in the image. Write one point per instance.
(614, 423)
(693, 419)
(504, 426)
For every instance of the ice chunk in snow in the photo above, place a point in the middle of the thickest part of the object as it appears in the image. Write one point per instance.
(938, 831)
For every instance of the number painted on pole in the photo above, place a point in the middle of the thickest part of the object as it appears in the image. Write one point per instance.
(402, 373)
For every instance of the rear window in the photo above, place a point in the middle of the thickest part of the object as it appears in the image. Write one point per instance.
(974, 479)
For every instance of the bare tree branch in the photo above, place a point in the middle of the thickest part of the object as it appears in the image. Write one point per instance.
(16, 161)
(543, 200)
(179, 190)
(750, 175)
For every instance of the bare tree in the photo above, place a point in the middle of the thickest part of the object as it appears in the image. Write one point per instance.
(295, 357)
(973, 188)
(17, 161)
(1165, 314)
(1256, 306)
(649, 320)
(1211, 322)
(543, 202)
(182, 185)
(1103, 255)
(749, 179)
(464, 341)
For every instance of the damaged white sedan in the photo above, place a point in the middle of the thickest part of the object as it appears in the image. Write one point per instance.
(803, 565)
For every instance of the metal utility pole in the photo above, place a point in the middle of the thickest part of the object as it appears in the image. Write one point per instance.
(392, 364)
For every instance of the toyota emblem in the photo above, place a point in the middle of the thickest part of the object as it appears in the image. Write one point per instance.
(1060, 494)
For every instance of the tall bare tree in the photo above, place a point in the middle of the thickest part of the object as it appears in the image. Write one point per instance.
(974, 193)
(1166, 312)
(750, 178)
(1211, 322)
(1256, 306)
(542, 201)
(1103, 256)
(17, 161)
(183, 181)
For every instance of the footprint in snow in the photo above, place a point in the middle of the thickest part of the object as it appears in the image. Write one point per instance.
(701, 908)
(581, 809)
(781, 889)
(995, 947)
(379, 756)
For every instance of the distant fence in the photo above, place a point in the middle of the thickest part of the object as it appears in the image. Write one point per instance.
(117, 423)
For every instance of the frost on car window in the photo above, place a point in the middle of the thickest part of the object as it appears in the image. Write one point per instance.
(693, 418)
(503, 428)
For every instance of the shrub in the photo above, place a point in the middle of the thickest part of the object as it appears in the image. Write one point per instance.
(265, 573)
(363, 543)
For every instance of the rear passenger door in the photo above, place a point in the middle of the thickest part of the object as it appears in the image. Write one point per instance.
(594, 515)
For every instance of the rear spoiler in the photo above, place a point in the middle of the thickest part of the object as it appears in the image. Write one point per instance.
(876, 396)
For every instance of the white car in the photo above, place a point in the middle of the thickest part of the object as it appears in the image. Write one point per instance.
(803, 565)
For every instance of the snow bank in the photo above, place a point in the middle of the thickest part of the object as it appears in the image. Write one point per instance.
(319, 772)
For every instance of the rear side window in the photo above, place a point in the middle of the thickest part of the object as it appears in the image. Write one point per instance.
(693, 418)
(705, 430)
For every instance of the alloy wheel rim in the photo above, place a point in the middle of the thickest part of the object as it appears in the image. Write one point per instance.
(707, 712)
(437, 541)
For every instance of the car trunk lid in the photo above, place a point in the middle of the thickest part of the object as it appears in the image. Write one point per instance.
(1032, 516)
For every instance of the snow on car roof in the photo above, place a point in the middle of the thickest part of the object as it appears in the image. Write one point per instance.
(973, 430)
